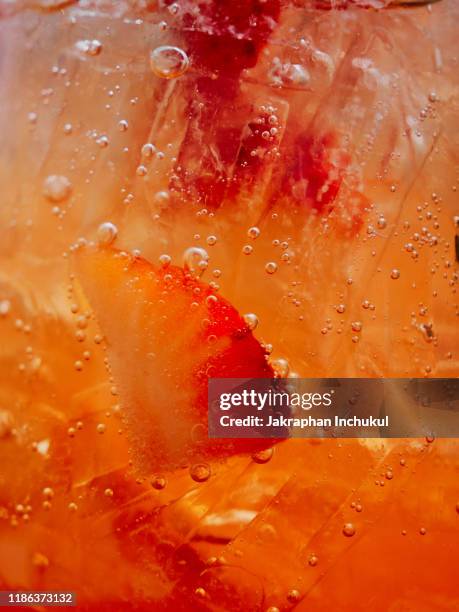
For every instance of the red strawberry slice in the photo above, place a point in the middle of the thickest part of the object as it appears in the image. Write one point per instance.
(319, 164)
(222, 39)
(167, 333)
(226, 37)
(322, 177)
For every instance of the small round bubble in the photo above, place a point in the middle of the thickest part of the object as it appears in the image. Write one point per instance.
(57, 188)
(169, 62)
(107, 233)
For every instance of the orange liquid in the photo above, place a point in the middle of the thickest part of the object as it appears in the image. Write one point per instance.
(333, 132)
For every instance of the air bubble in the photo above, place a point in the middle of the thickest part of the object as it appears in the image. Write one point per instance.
(5, 307)
(165, 260)
(349, 530)
(251, 320)
(263, 456)
(395, 274)
(89, 47)
(195, 260)
(158, 482)
(107, 233)
(162, 198)
(271, 267)
(294, 596)
(169, 62)
(57, 188)
(6, 424)
(281, 367)
(148, 150)
(200, 472)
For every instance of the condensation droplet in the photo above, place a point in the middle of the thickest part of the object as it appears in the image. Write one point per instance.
(169, 62)
(57, 188)
(271, 267)
(107, 233)
(395, 274)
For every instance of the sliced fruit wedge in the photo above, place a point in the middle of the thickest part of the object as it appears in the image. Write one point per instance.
(167, 333)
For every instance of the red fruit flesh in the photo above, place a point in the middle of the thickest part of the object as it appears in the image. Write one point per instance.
(162, 375)
(320, 165)
(222, 39)
(226, 37)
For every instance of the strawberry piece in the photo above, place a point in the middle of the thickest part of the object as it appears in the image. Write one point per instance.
(222, 39)
(167, 333)
(226, 37)
(321, 170)
(319, 165)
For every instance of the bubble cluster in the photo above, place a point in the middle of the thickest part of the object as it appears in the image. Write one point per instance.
(89, 47)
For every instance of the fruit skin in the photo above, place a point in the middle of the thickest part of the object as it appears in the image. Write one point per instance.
(167, 333)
